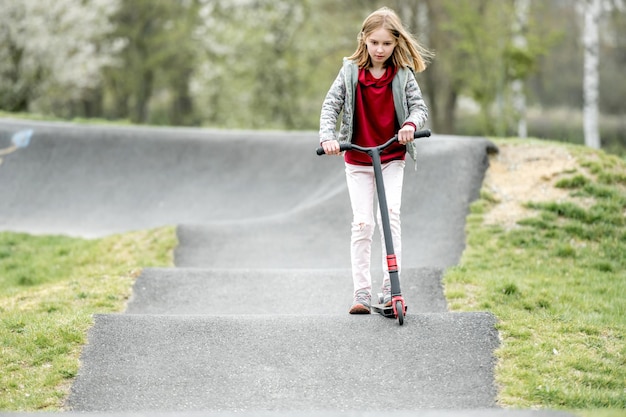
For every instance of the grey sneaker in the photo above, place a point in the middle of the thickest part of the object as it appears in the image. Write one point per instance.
(386, 299)
(361, 304)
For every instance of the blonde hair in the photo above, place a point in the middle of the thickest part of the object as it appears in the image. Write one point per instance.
(407, 52)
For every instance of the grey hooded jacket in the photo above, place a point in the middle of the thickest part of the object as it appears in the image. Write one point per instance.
(407, 98)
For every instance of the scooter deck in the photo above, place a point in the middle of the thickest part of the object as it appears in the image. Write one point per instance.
(382, 310)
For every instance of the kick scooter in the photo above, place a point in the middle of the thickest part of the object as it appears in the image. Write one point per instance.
(398, 306)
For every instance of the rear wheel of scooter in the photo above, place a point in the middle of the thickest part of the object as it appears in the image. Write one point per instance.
(400, 310)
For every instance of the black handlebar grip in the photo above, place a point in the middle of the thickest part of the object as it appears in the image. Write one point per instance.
(421, 133)
(342, 147)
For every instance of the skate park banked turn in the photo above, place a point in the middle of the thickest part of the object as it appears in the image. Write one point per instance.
(254, 316)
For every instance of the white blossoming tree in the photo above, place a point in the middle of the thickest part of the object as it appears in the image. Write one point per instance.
(47, 48)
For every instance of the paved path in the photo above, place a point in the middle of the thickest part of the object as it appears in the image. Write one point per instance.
(253, 320)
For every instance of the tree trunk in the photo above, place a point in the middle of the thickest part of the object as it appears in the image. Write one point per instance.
(519, 41)
(181, 109)
(143, 93)
(591, 14)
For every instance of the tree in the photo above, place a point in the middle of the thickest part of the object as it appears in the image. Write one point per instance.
(266, 63)
(591, 12)
(442, 81)
(52, 55)
(473, 36)
(520, 45)
(159, 54)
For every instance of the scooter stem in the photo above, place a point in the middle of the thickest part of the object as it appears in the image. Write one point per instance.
(392, 264)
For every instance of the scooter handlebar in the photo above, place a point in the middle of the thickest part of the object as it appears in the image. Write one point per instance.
(348, 146)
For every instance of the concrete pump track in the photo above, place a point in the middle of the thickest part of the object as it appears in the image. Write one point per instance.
(253, 319)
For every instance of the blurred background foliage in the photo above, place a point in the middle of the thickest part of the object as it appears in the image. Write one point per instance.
(267, 64)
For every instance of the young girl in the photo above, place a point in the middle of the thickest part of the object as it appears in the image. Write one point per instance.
(378, 94)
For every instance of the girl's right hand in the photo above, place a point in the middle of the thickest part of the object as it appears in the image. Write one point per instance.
(331, 147)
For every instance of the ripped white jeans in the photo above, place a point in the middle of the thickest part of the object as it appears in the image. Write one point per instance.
(362, 190)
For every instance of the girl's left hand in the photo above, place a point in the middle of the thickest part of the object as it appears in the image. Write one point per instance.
(405, 135)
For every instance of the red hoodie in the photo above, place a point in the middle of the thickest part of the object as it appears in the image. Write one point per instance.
(375, 119)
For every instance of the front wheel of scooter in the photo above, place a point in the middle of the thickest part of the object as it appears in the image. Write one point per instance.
(400, 310)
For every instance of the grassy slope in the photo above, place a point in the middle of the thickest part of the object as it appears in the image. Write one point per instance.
(50, 286)
(557, 284)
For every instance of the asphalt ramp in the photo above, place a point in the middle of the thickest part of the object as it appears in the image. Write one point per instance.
(253, 319)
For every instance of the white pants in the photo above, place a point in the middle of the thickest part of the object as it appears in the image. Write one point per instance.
(362, 190)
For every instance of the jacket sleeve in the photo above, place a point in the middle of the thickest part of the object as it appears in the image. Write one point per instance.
(331, 108)
(418, 111)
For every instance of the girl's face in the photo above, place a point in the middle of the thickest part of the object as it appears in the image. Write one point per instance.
(380, 45)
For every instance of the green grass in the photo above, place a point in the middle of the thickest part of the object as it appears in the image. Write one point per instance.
(557, 284)
(77, 120)
(50, 286)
